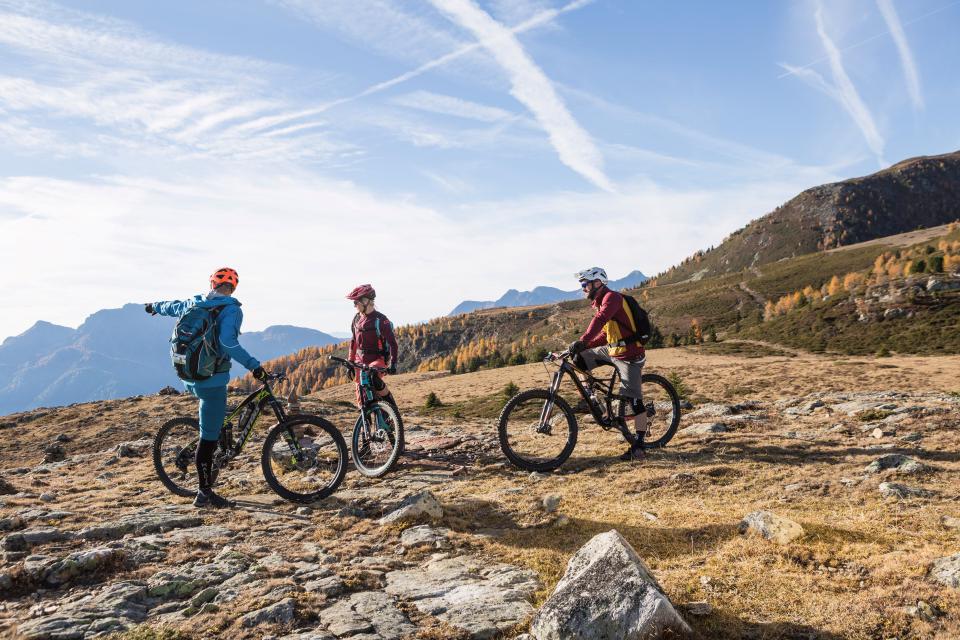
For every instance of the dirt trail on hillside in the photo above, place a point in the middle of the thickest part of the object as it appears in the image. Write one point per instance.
(861, 452)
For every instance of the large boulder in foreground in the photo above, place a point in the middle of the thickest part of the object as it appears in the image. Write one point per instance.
(607, 592)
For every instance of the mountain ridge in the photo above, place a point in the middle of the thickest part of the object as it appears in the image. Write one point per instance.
(113, 353)
(918, 192)
(541, 295)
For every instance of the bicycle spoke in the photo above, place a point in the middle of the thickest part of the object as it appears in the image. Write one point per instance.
(303, 460)
(536, 432)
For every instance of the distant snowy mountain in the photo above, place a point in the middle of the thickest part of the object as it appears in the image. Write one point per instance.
(113, 354)
(542, 295)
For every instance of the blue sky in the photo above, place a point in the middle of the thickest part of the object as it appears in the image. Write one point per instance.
(440, 149)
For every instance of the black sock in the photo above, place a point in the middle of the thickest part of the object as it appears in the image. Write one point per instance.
(204, 462)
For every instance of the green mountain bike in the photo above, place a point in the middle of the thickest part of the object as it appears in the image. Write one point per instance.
(378, 433)
(304, 457)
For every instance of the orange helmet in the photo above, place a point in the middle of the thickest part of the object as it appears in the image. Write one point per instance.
(224, 276)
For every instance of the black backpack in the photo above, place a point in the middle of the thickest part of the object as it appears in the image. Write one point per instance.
(640, 320)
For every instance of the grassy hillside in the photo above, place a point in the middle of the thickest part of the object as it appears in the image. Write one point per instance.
(913, 194)
(789, 302)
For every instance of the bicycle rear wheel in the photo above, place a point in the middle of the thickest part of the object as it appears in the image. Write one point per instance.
(174, 448)
(378, 443)
(526, 443)
(304, 459)
(663, 409)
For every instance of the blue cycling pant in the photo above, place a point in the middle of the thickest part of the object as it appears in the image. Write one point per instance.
(213, 409)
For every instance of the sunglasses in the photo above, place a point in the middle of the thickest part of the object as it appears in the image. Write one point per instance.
(585, 284)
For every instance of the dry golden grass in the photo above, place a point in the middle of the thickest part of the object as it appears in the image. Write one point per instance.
(862, 561)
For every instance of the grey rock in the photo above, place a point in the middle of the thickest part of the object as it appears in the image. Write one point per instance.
(185, 581)
(113, 609)
(911, 437)
(950, 522)
(901, 491)
(317, 634)
(142, 523)
(206, 533)
(771, 527)
(550, 503)
(704, 428)
(423, 505)
(710, 410)
(48, 497)
(607, 591)
(331, 586)
(135, 449)
(23, 540)
(80, 564)
(424, 535)
(367, 612)
(898, 462)
(281, 612)
(946, 571)
(12, 523)
(481, 597)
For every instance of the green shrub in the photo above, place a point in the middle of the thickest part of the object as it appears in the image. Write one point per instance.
(936, 264)
(679, 385)
(712, 335)
(432, 401)
(883, 352)
(870, 415)
(918, 266)
(510, 389)
(540, 354)
(518, 358)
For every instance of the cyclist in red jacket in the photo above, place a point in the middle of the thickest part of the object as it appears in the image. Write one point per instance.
(372, 340)
(603, 344)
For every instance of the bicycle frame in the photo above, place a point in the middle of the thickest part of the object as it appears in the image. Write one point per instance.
(258, 400)
(567, 369)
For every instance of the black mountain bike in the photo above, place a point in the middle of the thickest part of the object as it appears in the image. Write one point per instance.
(378, 433)
(304, 457)
(538, 429)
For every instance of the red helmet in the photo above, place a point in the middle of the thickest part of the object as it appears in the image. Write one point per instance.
(224, 276)
(363, 291)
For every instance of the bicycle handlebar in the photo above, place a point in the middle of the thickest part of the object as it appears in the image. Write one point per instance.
(558, 355)
(357, 365)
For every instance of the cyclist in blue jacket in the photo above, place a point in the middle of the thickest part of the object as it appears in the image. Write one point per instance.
(212, 392)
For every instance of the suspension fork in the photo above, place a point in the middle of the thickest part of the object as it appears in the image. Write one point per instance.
(547, 412)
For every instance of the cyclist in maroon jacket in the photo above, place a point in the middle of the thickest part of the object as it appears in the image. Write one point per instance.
(372, 340)
(603, 343)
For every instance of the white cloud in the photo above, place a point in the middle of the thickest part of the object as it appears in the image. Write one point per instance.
(890, 16)
(449, 105)
(300, 241)
(843, 90)
(530, 86)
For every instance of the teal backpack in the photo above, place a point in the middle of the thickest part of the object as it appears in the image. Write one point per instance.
(195, 345)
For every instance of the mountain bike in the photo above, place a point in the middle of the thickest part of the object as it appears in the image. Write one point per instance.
(378, 433)
(538, 429)
(304, 457)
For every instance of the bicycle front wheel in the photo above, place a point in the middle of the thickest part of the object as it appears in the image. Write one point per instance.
(662, 405)
(304, 459)
(530, 442)
(377, 440)
(174, 449)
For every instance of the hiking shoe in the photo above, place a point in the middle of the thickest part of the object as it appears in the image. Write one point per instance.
(633, 453)
(210, 499)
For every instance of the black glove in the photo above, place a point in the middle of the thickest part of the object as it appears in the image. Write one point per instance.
(576, 347)
(149, 309)
(259, 373)
(392, 370)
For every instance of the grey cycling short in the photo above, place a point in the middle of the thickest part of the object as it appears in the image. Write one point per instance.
(630, 370)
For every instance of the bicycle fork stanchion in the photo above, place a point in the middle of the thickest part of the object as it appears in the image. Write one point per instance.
(544, 425)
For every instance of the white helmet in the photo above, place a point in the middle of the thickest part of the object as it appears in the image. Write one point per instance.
(593, 273)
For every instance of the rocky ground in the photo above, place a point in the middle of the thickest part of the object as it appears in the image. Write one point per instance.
(817, 499)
